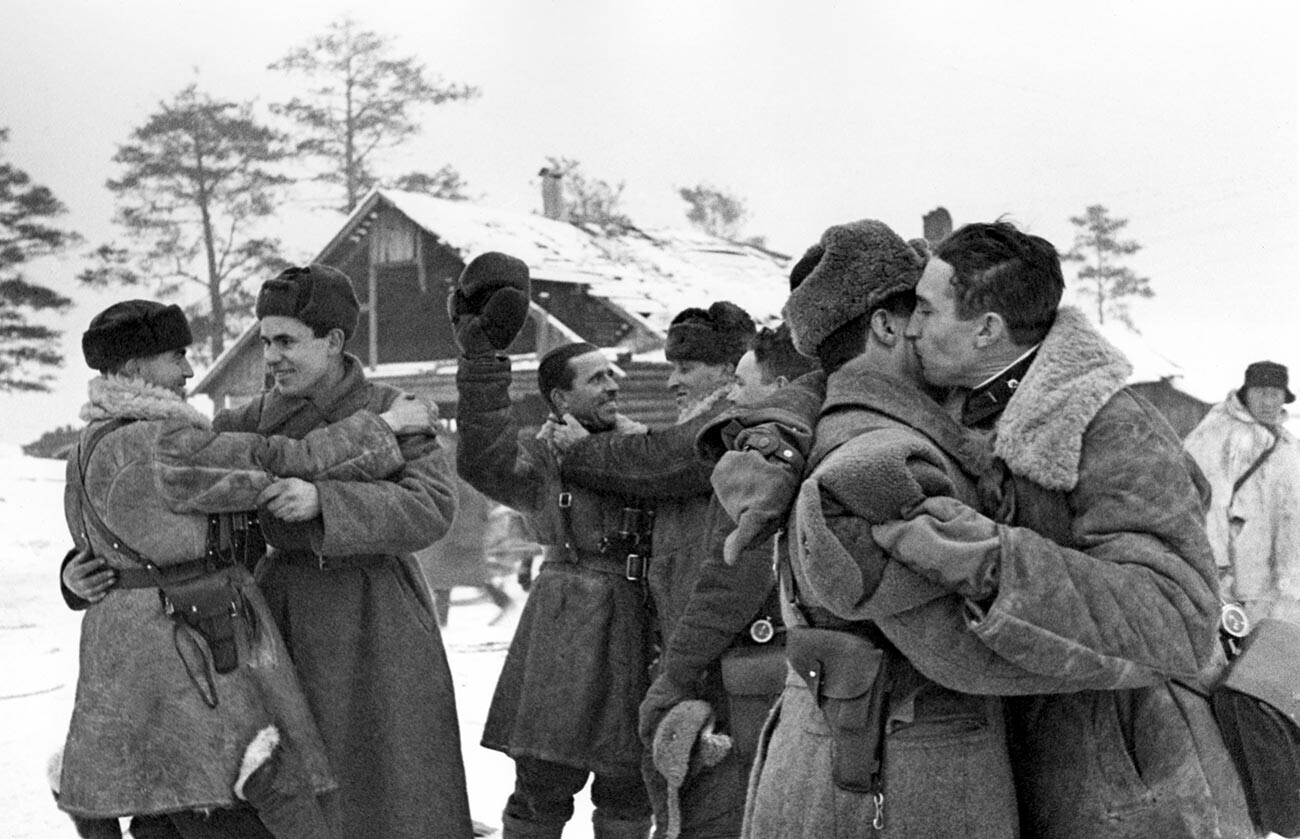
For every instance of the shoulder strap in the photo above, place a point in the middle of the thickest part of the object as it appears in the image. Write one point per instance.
(89, 514)
(1259, 461)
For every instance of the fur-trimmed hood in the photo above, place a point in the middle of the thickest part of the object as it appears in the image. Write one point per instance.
(1076, 372)
(118, 397)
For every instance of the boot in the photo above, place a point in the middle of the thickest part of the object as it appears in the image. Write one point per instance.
(605, 827)
(513, 828)
(272, 780)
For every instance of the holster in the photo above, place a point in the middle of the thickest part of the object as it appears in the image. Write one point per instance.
(211, 605)
(847, 675)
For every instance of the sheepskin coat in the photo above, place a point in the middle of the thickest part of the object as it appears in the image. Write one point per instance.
(1107, 582)
(577, 666)
(1255, 532)
(881, 445)
(358, 619)
(660, 469)
(143, 739)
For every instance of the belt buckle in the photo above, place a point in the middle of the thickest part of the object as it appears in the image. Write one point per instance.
(634, 569)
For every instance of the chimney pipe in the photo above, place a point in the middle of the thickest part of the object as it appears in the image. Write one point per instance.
(552, 198)
(937, 224)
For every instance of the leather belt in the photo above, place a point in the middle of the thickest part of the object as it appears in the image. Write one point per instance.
(306, 559)
(179, 572)
(600, 563)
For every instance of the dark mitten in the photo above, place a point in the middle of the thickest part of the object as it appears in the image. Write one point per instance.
(948, 543)
(492, 290)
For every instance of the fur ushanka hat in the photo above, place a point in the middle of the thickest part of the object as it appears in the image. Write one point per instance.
(719, 334)
(134, 329)
(849, 272)
(318, 295)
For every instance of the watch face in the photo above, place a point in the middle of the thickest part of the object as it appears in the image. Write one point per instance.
(1234, 621)
(761, 630)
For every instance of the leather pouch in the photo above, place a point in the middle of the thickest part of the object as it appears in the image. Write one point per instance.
(210, 605)
(754, 670)
(846, 674)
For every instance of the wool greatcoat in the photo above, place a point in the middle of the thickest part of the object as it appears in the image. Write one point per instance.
(1106, 581)
(577, 666)
(356, 615)
(1255, 528)
(143, 739)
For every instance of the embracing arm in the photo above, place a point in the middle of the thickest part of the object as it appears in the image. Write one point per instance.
(1136, 600)
(1131, 602)
(200, 471)
(659, 464)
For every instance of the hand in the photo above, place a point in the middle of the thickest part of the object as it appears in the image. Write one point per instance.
(291, 499)
(470, 337)
(663, 694)
(948, 543)
(410, 414)
(565, 433)
(88, 576)
(757, 493)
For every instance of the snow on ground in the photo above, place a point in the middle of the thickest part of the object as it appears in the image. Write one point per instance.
(38, 662)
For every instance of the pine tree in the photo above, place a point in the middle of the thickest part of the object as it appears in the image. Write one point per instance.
(363, 102)
(196, 180)
(714, 210)
(27, 349)
(1109, 284)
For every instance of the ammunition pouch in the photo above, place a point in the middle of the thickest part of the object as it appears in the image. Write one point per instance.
(753, 676)
(212, 606)
(847, 675)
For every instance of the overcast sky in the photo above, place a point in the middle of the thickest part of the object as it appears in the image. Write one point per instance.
(1179, 117)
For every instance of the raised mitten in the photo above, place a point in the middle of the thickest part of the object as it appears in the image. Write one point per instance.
(492, 290)
(949, 544)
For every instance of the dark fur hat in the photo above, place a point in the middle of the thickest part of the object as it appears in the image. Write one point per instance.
(134, 329)
(1268, 374)
(858, 265)
(318, 295)
(717, 335)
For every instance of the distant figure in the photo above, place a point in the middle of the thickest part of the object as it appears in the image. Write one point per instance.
(460, 558)
(1253, 466)
(510, 545)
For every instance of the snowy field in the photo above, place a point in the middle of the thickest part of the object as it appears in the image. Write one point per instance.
(38, 662)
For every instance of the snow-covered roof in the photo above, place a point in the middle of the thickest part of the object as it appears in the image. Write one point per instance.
(653, 272)
(1148, 364)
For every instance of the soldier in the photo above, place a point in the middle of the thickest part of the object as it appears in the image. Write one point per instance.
(342, 580)
(565, 705)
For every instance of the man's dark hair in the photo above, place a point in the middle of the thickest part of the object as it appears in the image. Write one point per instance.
(555, 371)
(847, 341)
(998, 268)
(776, 356)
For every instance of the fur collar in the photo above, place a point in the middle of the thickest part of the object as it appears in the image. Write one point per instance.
(1076, 372)
(704, 405)
(113, 397)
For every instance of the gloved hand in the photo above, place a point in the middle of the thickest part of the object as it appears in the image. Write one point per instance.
(948, 543)
(664, 693)
(489, 304)
(757, 493)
